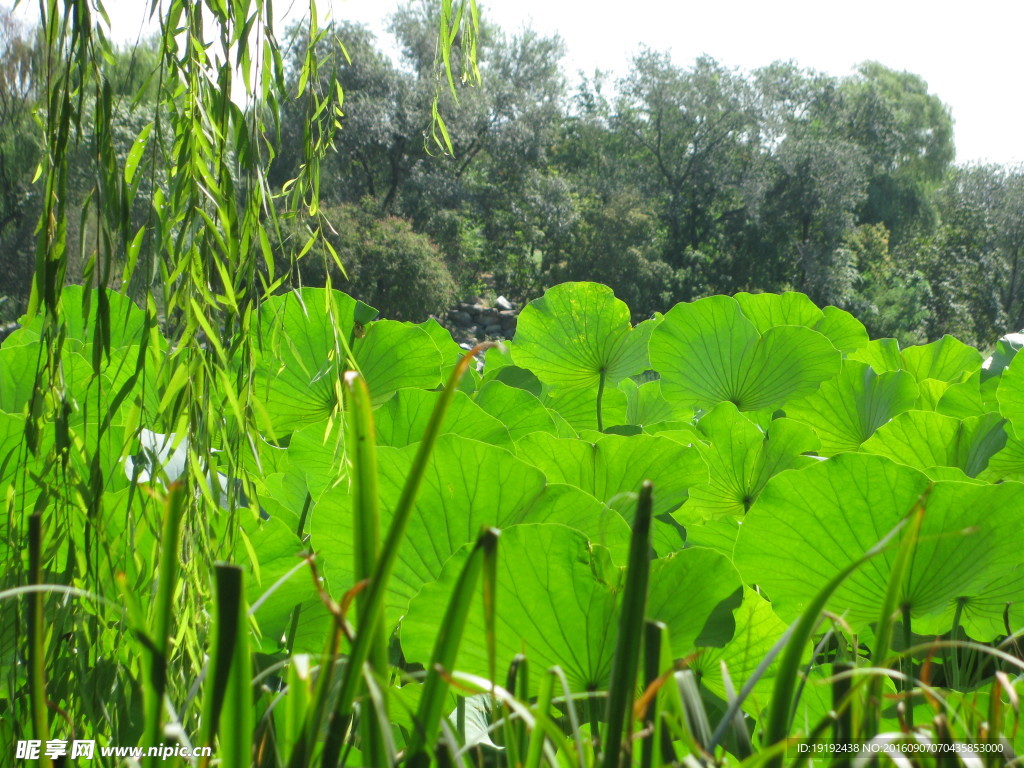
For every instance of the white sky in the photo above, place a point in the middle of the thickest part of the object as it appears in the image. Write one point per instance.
(970, 53)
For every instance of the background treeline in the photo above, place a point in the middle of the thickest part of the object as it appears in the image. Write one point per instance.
(674, 182)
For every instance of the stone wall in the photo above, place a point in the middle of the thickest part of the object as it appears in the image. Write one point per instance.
(473, 322)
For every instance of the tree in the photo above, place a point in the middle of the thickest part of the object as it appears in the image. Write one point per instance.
(818, 186)
(893, 297)
(978, 250)
(498, 180)
(698, 132)
(618, 242)
(492, 188)
(382, 121)
(19, 155)
(907, 135)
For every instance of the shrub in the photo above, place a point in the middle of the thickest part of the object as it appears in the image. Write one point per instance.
(618, 243)
(386, 264)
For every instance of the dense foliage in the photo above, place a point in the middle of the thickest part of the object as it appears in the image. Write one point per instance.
(674, 182)
(787, 452)
(261, 520)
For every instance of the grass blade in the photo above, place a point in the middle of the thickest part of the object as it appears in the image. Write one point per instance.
(233, 673)
(377, 589)
(542, 719)
(366, 529)
(788, 673)
(617, 749)
(37, 637)
(446, 646)
(160, 620)
(890, 607)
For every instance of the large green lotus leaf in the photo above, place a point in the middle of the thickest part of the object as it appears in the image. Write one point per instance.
(984, 615)
(557, 602)
(930, 393)
(519, 410)
(708, 352)
(685, 588)
(767, 310)
(925, 439)
(881, 354)
(18, 466)
(282, 495)
(682, 432)
(81, 308)
(808, 525)
(99, 452)
(741, 458)
(947, 359)
(450, 351)
(265, 458)
(18, 366)
(467, 485)
(143, 376)
(757, 630)
(12, 445)
(520, 378)
(393, 355)
(1011, 394)
(317, 455)
(272, 550)
(498, 366)
(846, 332)
(403, 419)
(302, 356)
(90, 397)
(496, 358)
(1008, 463)
(645, 405)
(578, 407)
(577, 334)
(717, 534)
(967, 398)
(613, 467)
(848, 409)
(1006, 349)
(569, 506)
(667, 536)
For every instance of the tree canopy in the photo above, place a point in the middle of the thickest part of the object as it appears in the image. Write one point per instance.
(672, 182)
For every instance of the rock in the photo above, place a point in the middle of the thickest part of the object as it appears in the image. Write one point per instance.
(493, 330)
(460, 318)
(503, 303)
(489, 312)
(508, 313)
